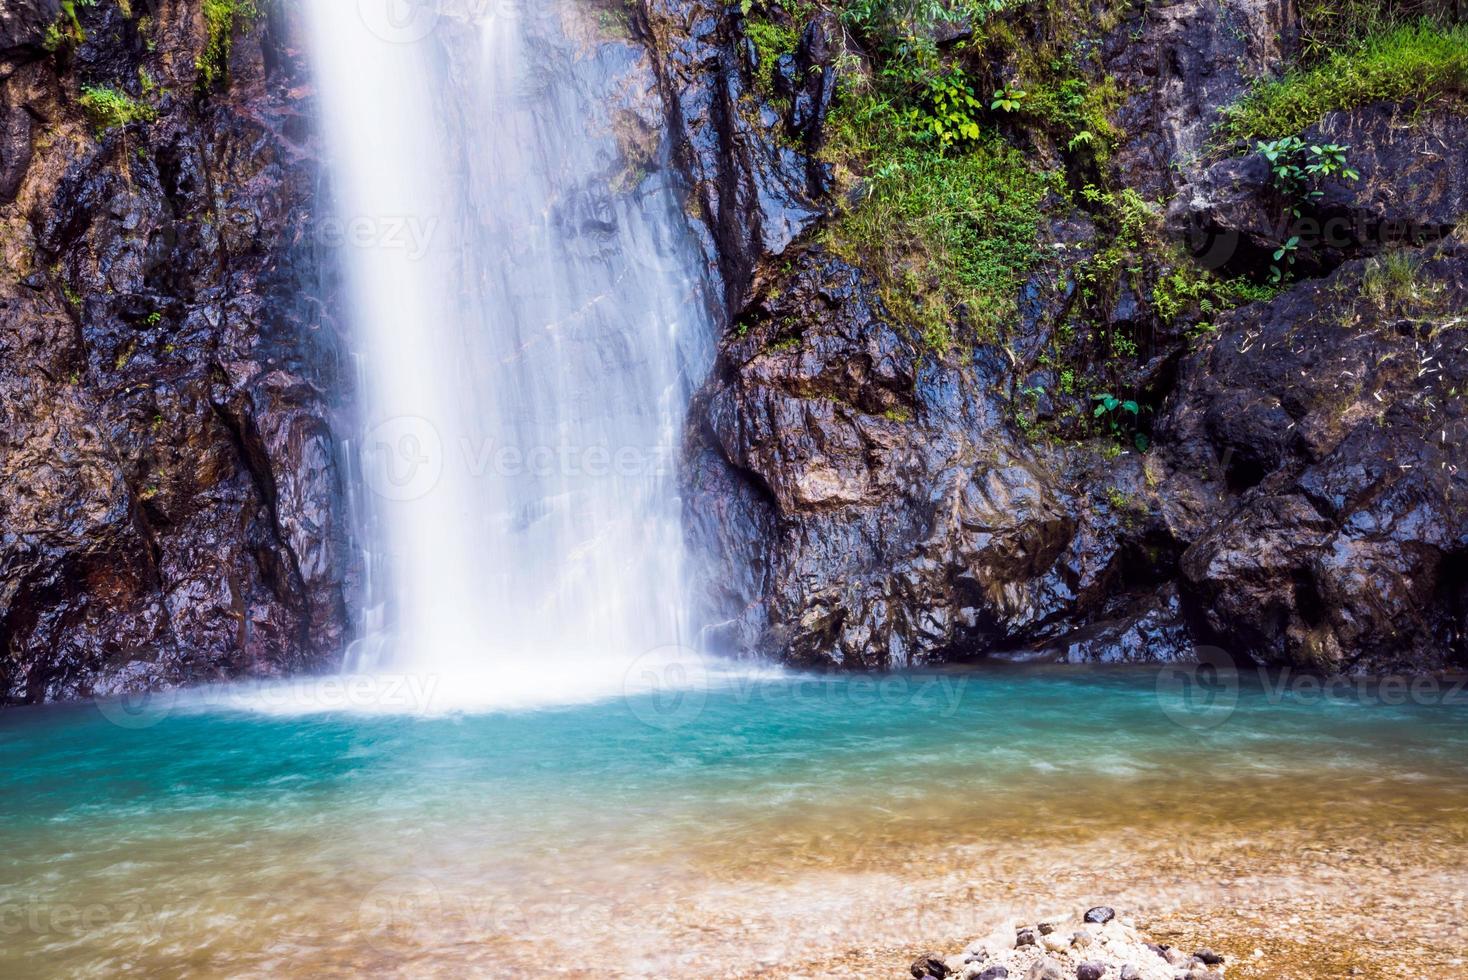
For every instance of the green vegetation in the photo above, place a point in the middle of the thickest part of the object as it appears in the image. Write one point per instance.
(1392, 283)
(1423, 62)
(1298, 170)
(1331, 25)
(947, 211)
(947, 160)
(221, 19)
(1121, 417)
(66, 30)
(942, 233)
(109, 107)
(771, 42)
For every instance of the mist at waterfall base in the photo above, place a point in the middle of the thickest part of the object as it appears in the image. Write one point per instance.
(527, 363)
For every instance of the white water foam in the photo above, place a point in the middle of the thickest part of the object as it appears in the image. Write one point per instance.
(531, 311)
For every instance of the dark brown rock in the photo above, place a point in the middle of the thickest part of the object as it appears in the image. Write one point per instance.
(1326, 418)
(929, 965)
(169, 493)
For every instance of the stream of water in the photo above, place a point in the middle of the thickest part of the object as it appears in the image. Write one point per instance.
(528, 360)
(739, 824)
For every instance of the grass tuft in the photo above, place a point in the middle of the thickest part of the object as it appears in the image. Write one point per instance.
(1421, 63)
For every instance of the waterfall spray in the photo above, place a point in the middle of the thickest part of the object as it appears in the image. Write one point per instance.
(531, 312)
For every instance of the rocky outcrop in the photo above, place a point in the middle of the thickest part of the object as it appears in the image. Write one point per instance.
(1181, 62)
(170, 496)
(1412, 190)
(1335, 419)
(903, 521)
(869, 502)
(754, 181)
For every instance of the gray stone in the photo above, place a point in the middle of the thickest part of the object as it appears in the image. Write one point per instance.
(1045, 969)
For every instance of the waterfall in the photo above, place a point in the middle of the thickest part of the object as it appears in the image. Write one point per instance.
(531, 311)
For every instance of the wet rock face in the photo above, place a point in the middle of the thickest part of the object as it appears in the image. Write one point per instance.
(879, 509)
(1335, 417)
(170, 496)
(755, 186)
(1412, 190)
(1184, 60)
(867, 503)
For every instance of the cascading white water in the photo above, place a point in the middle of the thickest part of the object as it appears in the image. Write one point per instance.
(530, 307)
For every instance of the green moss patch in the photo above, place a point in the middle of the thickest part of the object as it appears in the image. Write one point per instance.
(221, 19)
(1422, 63)
(109, 107)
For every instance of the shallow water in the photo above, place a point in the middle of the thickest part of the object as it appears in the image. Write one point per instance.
(723, 825)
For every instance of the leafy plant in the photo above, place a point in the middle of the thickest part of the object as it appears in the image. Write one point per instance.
(1008, 99)
(1121, 418)
(947, 114)
(109, 107)
(1298, 171)
(1284, 259)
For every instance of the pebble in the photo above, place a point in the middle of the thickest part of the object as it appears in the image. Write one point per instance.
(1060, 948)
(1045, 969)
(929, 965)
